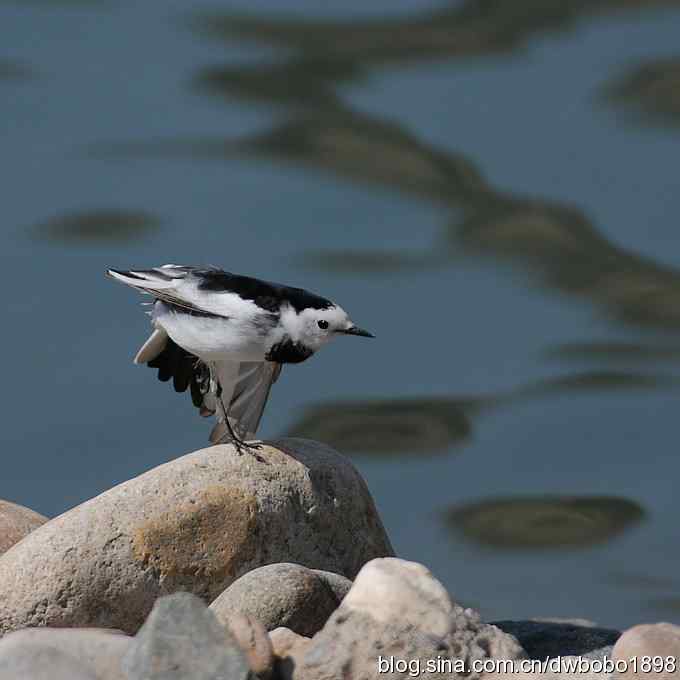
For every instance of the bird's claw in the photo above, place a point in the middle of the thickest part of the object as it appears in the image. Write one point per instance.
(252, 450)
(250, 447)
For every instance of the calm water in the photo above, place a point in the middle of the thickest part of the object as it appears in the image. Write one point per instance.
(491, 187)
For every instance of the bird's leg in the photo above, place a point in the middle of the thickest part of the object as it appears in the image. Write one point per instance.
(239, 443)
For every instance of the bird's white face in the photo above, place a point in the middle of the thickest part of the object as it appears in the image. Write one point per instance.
(315, 327)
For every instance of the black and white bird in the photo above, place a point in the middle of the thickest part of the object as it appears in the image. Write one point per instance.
(225, 337)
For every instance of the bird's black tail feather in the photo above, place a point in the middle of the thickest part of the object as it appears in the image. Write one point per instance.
(185, 369)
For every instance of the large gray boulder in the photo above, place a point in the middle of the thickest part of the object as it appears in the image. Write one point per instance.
(182, 639)
(396, 619)
(284, 594)
(34, 662)
(98, 651)
(194, 524)
(16, 521)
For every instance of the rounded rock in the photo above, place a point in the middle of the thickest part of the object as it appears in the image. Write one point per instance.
(99, 650)
(182, 639)
(658, 642)
(397, 609)
(35, 662)
(16, 522)
(282, 594)
(339, 584)
(283, 640)
(195, 524)
(289, 649)
(397, 590)
(253, 639)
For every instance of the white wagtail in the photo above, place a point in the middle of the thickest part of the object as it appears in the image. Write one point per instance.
(226, 337)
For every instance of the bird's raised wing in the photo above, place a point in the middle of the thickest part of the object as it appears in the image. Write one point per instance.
(170, 283)
(201, 290)
(244, 386)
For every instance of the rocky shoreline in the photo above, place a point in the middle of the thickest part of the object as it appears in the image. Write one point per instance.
(217, 566)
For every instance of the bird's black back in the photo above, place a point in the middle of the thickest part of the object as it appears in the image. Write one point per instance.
(269, 296)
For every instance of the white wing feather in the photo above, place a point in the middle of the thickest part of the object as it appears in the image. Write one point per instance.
(245, 390)
(152, 347)
(179, 286)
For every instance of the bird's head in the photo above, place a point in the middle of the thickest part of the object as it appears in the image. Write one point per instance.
(315, 327)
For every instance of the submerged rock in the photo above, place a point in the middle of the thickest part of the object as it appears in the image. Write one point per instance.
(194, 524)
(544, 521)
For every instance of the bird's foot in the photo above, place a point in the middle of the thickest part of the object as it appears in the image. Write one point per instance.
(251, 447)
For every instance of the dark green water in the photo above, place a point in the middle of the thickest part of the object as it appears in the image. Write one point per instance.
(492, 187)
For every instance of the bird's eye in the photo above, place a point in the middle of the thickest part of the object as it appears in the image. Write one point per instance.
(323, 325)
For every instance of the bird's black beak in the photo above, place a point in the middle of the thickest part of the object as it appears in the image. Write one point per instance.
(355, 330)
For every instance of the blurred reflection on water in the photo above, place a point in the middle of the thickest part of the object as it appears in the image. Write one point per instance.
(308, 83)
(343, 142)
(626, 579)
(62, 4)
(366, 149)
(106, 226)
(561, 244)
(388, 427)
(546, 522)
(374, 263)
(615, 352)
(556, 241)
(468, 28)
(449, 174)
(651, 90)
(14, 71)
(410, 426)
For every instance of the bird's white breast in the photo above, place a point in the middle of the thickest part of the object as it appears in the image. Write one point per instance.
(239, 337)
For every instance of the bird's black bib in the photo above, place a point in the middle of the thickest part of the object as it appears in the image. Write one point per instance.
(288, 352)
